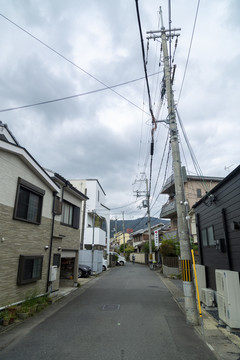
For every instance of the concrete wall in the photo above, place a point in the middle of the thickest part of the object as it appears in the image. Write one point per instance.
(140, 257)
(170, 271)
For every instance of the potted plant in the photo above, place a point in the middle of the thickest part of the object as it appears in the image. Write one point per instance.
(23, 312)
(6, 317)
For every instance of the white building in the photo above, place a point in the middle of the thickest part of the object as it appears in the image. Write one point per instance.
(96, 230)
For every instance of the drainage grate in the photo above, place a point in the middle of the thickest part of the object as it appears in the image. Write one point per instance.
(180, 299)
(111, 307)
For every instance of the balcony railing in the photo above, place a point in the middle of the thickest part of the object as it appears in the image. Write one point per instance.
(169, 209)
(99, 236)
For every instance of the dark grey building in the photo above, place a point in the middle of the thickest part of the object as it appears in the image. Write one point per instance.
(218, 227)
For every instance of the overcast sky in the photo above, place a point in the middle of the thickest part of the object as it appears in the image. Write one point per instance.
(105, 135)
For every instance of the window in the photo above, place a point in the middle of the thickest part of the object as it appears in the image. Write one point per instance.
(199, 193)
(204, 237)
(67, 214)
(56, 260)
(70, 215)
(208, 236)
(28, 204)
(29, 269)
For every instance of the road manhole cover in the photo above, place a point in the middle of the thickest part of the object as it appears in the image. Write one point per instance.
(111, 307)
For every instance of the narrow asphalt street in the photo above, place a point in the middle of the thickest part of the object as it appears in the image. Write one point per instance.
(126, 314)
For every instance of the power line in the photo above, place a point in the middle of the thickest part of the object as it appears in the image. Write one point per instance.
(194, 159)
(158, 175)
(77, 95)
(144, 63)
(190, 47)
(65, 58)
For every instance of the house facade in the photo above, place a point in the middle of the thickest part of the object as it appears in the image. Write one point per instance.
(38, 233)
(194, 189)
(26, 201)
(96, 233)
(218, 227)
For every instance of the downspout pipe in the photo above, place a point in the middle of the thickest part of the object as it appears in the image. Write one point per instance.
(225, 229)
(51, 241)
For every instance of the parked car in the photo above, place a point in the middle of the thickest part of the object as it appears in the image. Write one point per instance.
(84, 271)
(104, 264)
(120, 259)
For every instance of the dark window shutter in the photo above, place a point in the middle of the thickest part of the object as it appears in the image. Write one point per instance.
(76, 217)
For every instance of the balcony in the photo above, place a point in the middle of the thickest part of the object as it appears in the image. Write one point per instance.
(169, 186)
(99, 236)
(169, 209)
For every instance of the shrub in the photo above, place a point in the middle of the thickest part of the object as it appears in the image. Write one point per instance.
(128, 251)
(169, 247)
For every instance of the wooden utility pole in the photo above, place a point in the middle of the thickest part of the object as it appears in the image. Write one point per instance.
(183, 235)
(123, 231)
(146, 204)
(150, 259)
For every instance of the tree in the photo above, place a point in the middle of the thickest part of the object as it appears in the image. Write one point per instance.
(121, 248)
(170, 247)
(128, 250)
(145, 247)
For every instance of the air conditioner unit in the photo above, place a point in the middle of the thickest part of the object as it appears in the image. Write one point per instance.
(201, 279)
(207, 296)
(219, 281)
(222, 311)
(228, 295)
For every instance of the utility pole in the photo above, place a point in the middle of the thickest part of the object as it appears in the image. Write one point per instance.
(93, 226)
(188, 285)
(146, 204)
(123, 231)
(150, 259)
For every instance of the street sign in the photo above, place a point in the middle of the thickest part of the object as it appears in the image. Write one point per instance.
(156, 239)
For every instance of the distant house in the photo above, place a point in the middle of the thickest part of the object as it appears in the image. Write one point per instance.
(140, 237)
(26, 202)
(122, 238)
(97, 217)
(96, 224)
(194, 189)
(218, 227)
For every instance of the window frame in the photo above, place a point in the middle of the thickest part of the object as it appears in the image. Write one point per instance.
(34, 191)
(75, 215)
(208, 237)
(199, 193)
(56, 259)
(22, 265)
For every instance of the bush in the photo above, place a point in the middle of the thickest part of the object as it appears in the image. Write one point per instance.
(128, 251)
(169, 247)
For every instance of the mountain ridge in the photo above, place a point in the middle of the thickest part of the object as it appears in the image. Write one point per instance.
(135, 225)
